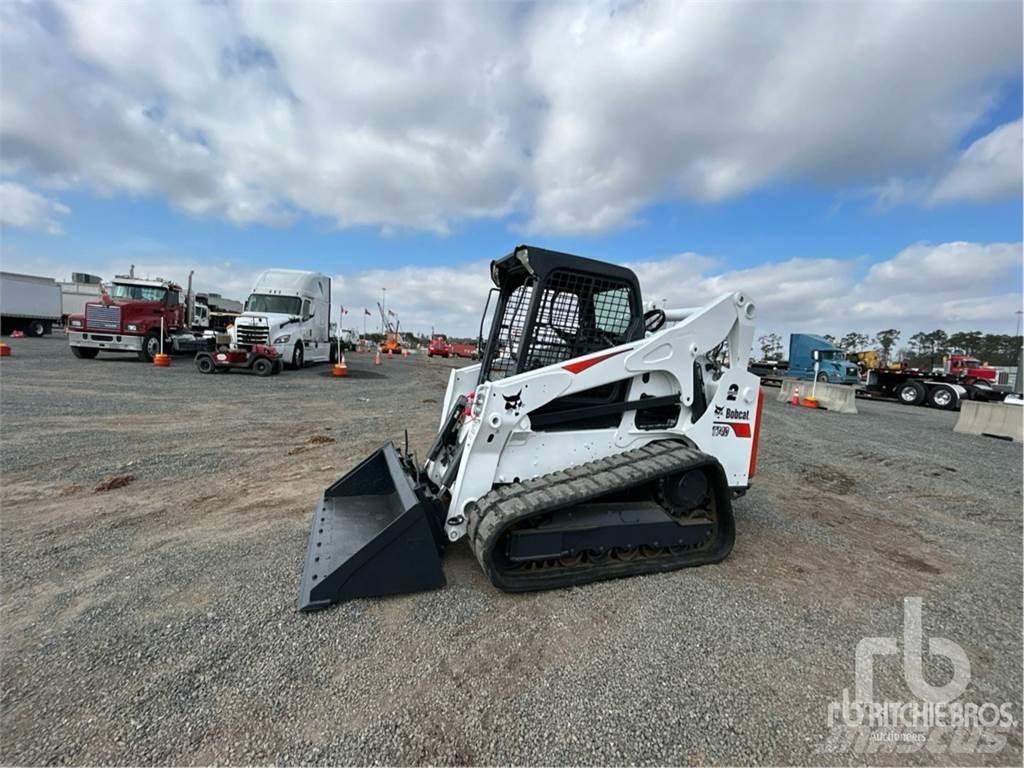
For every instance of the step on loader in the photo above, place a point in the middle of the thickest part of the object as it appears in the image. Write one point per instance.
(593, 440)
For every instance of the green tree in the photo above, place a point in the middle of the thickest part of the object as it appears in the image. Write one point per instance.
(771, 346)
(886, 340)
(830, 339)
(853, 342)
(965, 342)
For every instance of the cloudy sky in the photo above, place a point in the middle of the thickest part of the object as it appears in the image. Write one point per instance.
(853, 166)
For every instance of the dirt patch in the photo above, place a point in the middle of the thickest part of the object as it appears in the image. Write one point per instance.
(312, 443)
(828, 478)
(320, 440)
(117, 481)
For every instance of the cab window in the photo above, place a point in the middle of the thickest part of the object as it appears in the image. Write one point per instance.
(305, 310)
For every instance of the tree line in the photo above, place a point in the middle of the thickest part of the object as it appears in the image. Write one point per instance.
(922, 349)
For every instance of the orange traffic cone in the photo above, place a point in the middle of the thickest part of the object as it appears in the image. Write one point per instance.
(810, 402)
(389, 354)
(405, 353)
(340, 369)
(376, 359)
(795, 399)
(5, 351)
(17, 334)
(161, 360)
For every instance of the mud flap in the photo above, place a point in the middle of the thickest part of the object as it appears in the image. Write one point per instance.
(374, 533)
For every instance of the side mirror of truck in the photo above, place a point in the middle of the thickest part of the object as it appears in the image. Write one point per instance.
(816, 355)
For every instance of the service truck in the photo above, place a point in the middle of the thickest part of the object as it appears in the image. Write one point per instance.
(131, 315)
(291, 310)
(833, 367)
(28, 303)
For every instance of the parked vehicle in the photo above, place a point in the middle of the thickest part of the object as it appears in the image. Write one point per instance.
(128, 319)
(263, 360)
(392, 340)
(462, 349)
(937, 389)
(833, 366)
(439, 346)
(28, 303)
(291, 310)
(529, 464)
(969, 368)
(223, 312)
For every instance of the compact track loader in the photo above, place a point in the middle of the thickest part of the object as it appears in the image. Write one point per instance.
(593, 440)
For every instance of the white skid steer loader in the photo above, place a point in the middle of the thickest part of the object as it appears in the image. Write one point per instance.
(593, 440)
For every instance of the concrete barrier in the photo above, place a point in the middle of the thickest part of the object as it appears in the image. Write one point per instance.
(991, 419)
(838, 398)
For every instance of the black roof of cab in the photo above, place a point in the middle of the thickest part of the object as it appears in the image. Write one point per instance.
(524, 260)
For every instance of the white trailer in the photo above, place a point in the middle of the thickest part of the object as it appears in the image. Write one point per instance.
(291, 310)
(29, 303)
(75, 295)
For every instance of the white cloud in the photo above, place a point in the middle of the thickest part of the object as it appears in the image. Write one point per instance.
(424, 115)
(22, 208)
(989, 169)
(956, 286)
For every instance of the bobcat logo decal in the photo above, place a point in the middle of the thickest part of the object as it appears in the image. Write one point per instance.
(513, 402)
(719, 409)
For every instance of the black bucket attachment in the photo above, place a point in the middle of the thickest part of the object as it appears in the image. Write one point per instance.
(374, 533)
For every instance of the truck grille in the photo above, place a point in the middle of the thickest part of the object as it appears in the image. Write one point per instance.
(248, 334)
(102, 318)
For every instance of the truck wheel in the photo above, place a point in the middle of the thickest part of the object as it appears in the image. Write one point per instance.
(912, 393)
(150, 347)
(84, 353)
(262, 367)
(205, 364)
(944, 398)
(298, 356)
(823, 378)
(36, 328)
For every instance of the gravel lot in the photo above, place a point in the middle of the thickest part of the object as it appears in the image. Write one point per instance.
(156, 622)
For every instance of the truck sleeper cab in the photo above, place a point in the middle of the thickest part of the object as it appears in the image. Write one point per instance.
(291, 310)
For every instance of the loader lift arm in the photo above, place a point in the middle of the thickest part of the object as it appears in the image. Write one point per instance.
(593, 440)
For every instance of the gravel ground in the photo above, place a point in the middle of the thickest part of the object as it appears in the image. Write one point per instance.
(156, 622)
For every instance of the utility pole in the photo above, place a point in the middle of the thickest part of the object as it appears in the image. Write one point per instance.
(1019, 313)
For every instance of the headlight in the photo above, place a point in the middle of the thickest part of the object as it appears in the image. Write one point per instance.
(132, 327)
(282, 339)
(76, 323)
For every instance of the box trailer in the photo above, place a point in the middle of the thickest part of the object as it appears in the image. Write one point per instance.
(28, 303)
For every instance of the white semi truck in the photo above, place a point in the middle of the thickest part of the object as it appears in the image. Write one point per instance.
(291, 310)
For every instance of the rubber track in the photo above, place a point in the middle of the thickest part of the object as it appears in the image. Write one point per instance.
(498, 510)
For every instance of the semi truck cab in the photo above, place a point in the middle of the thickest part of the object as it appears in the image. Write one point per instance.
(291, 310)
(128, 319)
(833, 367)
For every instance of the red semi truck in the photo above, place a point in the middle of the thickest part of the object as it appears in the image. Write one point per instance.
(128, 319)
(969, 368)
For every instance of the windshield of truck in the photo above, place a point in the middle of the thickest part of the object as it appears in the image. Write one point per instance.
(137, 292)
(831, 354)
(281, 305)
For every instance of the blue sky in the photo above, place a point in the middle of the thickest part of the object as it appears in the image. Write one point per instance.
(820, 168)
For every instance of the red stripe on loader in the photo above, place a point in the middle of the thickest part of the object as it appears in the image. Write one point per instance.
(752, 469)
(582, 365)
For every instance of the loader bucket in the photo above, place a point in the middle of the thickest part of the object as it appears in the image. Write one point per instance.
(373, 534)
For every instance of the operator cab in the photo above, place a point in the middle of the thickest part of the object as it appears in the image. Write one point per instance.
(554, 306)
